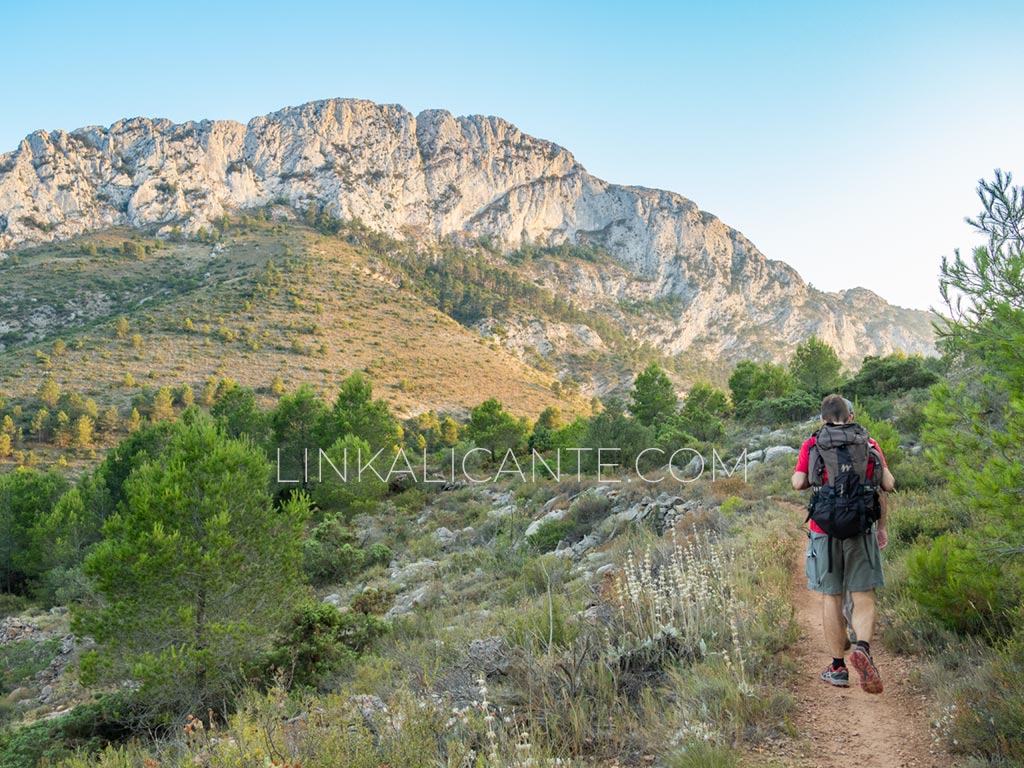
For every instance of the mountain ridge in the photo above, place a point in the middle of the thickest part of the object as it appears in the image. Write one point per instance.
(431, 176)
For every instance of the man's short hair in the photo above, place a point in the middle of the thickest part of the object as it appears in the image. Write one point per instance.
(834, 410)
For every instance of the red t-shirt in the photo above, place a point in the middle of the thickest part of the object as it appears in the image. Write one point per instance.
(804, 460)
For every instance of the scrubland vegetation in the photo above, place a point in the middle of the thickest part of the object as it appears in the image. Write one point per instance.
(231, 610)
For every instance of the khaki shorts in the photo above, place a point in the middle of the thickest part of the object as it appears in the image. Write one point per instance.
(855, 568)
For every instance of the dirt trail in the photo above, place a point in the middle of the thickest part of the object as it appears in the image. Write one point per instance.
(846, 727)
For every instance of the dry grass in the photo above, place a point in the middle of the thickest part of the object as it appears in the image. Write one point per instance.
(195, 311)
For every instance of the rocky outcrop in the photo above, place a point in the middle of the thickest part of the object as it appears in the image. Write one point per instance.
(429, 174)
(434, 175)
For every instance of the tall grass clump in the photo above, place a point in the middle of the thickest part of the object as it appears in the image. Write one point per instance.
(710, 615)
(679, 605)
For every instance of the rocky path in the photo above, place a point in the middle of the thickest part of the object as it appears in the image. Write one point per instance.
(848, 727)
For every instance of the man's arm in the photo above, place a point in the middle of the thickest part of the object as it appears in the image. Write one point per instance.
(800, 482)
(888, 484)
(888, 481)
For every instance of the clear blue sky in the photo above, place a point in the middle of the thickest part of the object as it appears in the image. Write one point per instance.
(845, 139)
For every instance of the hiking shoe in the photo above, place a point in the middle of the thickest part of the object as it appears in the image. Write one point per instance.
(837, 677)
(870, 680)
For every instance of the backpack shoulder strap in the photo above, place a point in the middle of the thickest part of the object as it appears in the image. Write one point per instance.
(830, 437)
(814, 463)
(878, 468)
(860, 451)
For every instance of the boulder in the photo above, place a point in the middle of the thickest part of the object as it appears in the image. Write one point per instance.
(779, 452)
(445, 537)
(408, 602)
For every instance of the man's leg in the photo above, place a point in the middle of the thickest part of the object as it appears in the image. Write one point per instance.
(864, 615)
(848, 615)
(834, 624)
(864, 626)
(830, 585)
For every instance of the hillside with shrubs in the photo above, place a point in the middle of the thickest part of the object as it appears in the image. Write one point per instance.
(253, 570)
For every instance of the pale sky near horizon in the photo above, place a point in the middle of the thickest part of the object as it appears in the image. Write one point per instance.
(844, 139)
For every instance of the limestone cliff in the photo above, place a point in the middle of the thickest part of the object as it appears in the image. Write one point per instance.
(433, 175)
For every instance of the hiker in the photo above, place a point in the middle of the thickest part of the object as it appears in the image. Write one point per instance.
(847, 470)
(851, 637)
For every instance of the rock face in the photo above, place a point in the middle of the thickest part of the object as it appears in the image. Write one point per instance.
(433, 175)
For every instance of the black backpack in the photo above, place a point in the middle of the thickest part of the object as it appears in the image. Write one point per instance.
(847, 503)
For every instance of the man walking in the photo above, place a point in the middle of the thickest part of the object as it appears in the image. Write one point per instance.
(843, 553)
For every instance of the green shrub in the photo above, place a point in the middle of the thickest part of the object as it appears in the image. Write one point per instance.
(550, 533)
(916, 474)
(536, 574)
(331, 554)
(12, 605)
(791, 407)
(543, 625)
(907, 627)
(917, 516)
(961, 586)
(374, 601)
(892, 375)
(87, 728)
(589, 508)
(731, 506)
(378, 554)
(320, 639)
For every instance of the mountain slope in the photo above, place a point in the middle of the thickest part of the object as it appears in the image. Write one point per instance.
(431, 176)
(269, 301)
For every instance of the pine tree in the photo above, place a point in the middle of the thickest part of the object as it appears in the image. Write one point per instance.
(83, 433)
(24, 496)
(299, 423)
(550, 418)
(197, 571)
(184, 396)
(209, 394)
(110, 420)
(237, 414)
(357, 413)
(163, 405)
(449, 431)
(134, 421)
(63, 534)
(815, 366)
(40, 423)
(976, 419)
(654, 397)
(702, 413)
(49, 392)
(492, 427)
(63, 436)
